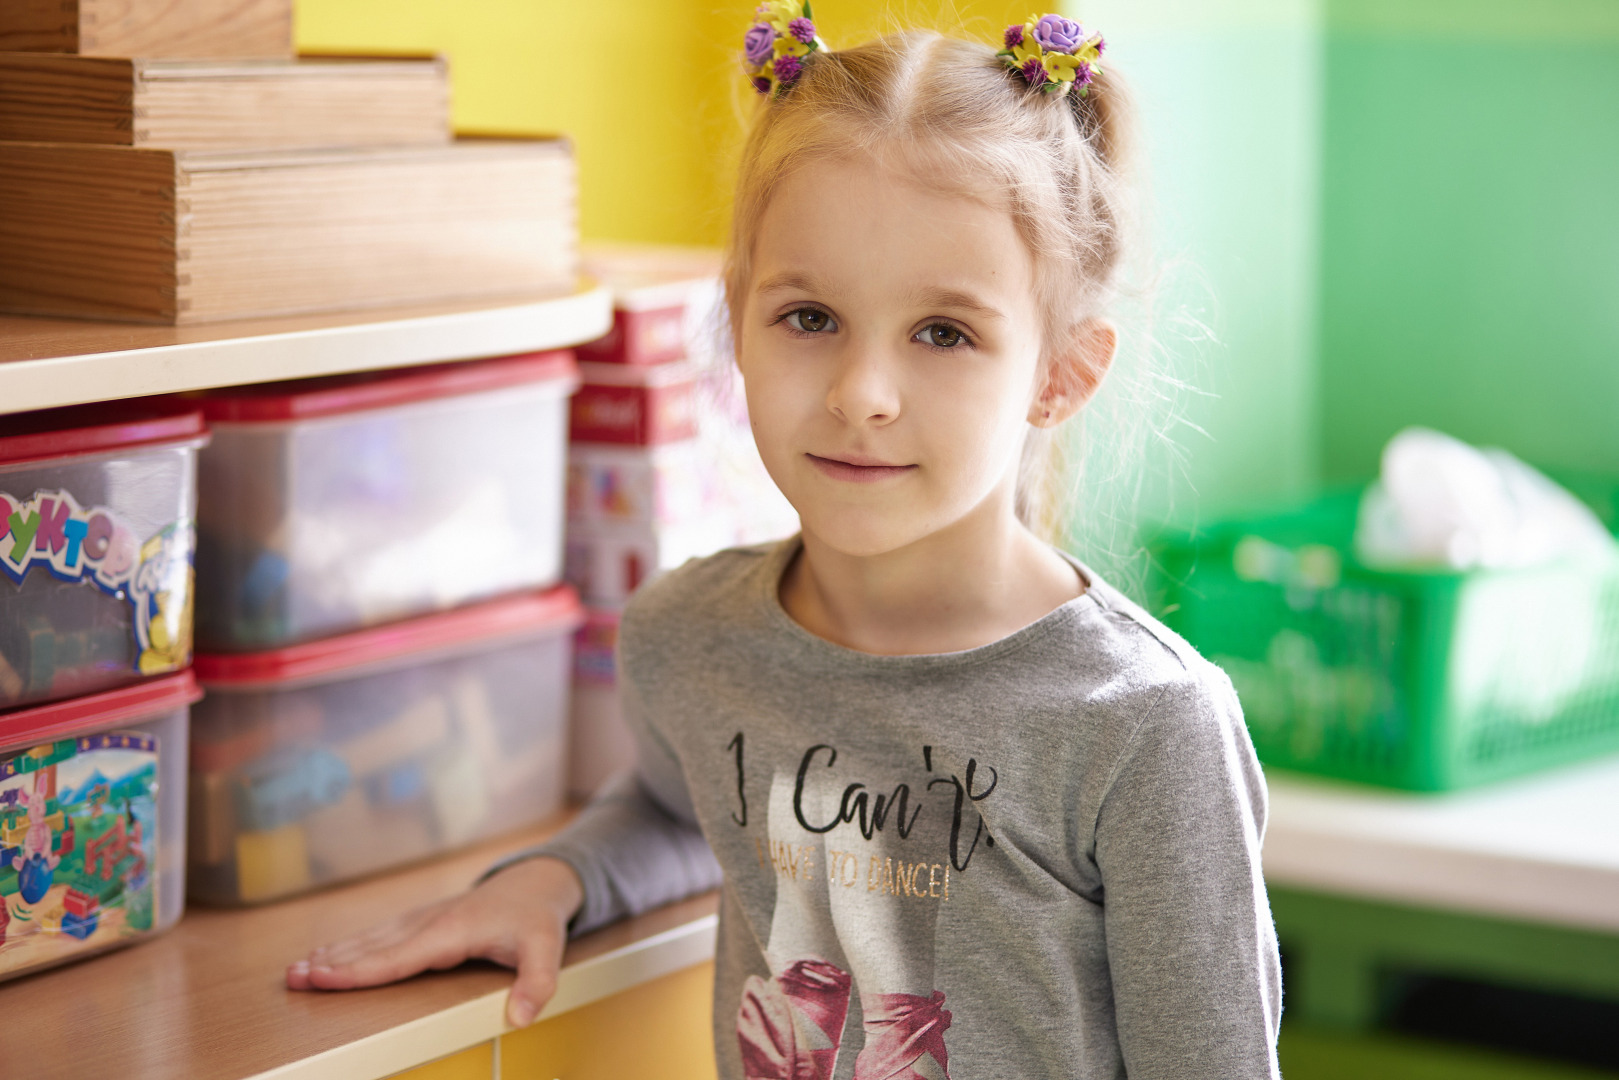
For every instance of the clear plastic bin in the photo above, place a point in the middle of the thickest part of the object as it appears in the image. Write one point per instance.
(322, 762)
(599, 742)
(96, 543)
(92, 822)
(663, 299)
(334, 504)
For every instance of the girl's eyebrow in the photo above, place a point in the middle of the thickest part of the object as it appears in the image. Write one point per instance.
(950, 298)
(789, 281)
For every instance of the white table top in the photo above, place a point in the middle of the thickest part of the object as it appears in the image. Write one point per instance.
(1544, 848)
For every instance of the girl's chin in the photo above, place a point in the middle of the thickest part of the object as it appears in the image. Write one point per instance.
(858, 539)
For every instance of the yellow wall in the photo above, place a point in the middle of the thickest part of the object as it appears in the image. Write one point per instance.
(648, 91)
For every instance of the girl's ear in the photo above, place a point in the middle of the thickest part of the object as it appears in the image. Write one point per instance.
(1074, 372)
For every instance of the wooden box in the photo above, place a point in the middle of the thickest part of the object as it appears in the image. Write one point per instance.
(219, 104)
(173, 29)
(168, 236)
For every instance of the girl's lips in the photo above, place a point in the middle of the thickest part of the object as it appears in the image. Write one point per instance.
(857, 473)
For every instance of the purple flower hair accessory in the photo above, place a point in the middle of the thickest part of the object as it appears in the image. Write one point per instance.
(788, 69)
(777, 47)
(1053, 54)
(758, 43)
(1057, 34)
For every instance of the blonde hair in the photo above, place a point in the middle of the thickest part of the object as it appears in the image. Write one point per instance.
(949, 111)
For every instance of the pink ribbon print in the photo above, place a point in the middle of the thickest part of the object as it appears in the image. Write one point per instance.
(790, 1027)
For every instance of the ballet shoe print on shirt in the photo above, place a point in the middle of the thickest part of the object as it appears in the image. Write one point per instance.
(789, 1027)
(901, 1030)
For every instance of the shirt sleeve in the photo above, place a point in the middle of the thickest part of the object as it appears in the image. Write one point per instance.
(637, 845)
(1190, 943)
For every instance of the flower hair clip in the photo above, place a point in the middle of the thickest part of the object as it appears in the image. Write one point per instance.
(1053, 54)
(774, 48)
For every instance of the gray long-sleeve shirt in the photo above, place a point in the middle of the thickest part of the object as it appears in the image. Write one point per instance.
(1037, 858)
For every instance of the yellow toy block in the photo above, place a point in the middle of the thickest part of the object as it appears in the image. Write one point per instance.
(271, 863)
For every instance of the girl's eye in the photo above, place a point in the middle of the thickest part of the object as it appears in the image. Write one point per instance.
(810, 320)
(943, 336)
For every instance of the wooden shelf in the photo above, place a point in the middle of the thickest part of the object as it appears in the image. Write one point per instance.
(207, 1000)
(49, 362)
(1543, 849)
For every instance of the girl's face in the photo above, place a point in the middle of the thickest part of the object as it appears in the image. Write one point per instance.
(890, 344)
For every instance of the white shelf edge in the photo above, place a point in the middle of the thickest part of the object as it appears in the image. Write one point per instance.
(484, 1018)
(390, 342)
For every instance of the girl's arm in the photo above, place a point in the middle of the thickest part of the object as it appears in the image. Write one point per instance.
(635, 847)
(1191, 947)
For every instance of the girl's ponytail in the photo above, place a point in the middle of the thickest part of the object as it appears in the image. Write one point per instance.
(1105, 119)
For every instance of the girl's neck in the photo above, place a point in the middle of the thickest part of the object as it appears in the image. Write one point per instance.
(967, 585)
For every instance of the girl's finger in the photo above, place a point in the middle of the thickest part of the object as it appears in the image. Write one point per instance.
(539, 956)
(441, 943)
(377, 937)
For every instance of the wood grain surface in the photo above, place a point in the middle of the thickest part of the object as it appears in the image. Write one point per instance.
(207, 1000)
(222, 104)
(132, 28)
(181, 236)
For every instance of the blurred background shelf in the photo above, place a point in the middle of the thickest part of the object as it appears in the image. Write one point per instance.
(1483, 920)
(49, 362)
(207, 999)
(1542, 849)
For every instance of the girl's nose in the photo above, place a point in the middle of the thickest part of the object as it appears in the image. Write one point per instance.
(864, 390)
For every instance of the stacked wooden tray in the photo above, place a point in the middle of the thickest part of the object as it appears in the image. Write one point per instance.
(173, 189)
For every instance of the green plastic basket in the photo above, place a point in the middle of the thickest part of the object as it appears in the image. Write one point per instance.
(1428, 681)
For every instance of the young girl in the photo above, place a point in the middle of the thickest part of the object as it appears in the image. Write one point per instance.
(975, 814)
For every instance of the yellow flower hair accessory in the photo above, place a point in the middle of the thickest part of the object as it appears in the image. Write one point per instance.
(1053, 54)
(774, 48)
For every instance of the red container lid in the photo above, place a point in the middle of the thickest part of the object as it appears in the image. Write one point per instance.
(81, 430)
(63, 719)
(301, 399)
(513, 616)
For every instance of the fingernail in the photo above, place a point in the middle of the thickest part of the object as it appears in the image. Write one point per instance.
(301, 967)
(519, 1011)
(324, 969)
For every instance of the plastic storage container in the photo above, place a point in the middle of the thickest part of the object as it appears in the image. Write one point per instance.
(1428, 681)
(635, 405)
(599, 742)
(92, 822)
(321, 762)
(96, 543)
(662, 298)
(333, 504)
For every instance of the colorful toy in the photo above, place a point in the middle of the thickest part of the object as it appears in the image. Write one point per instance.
(79, 822)
(37, 861)
(87, 602)
(287, 785)
(271, 863)
(328, 505)
(432, 733)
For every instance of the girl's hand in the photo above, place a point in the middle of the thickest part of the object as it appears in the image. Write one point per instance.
(519, 918)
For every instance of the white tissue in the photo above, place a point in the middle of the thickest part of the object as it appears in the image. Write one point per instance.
(1441, 502)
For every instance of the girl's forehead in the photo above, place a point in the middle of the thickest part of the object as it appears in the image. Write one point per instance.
(851, 220)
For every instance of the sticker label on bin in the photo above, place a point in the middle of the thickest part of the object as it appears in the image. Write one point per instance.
(52, 532)
(78, 833)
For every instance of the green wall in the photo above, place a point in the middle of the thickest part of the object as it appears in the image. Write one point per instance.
(1388, 212)
(1470, 229)
(1229, 99)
